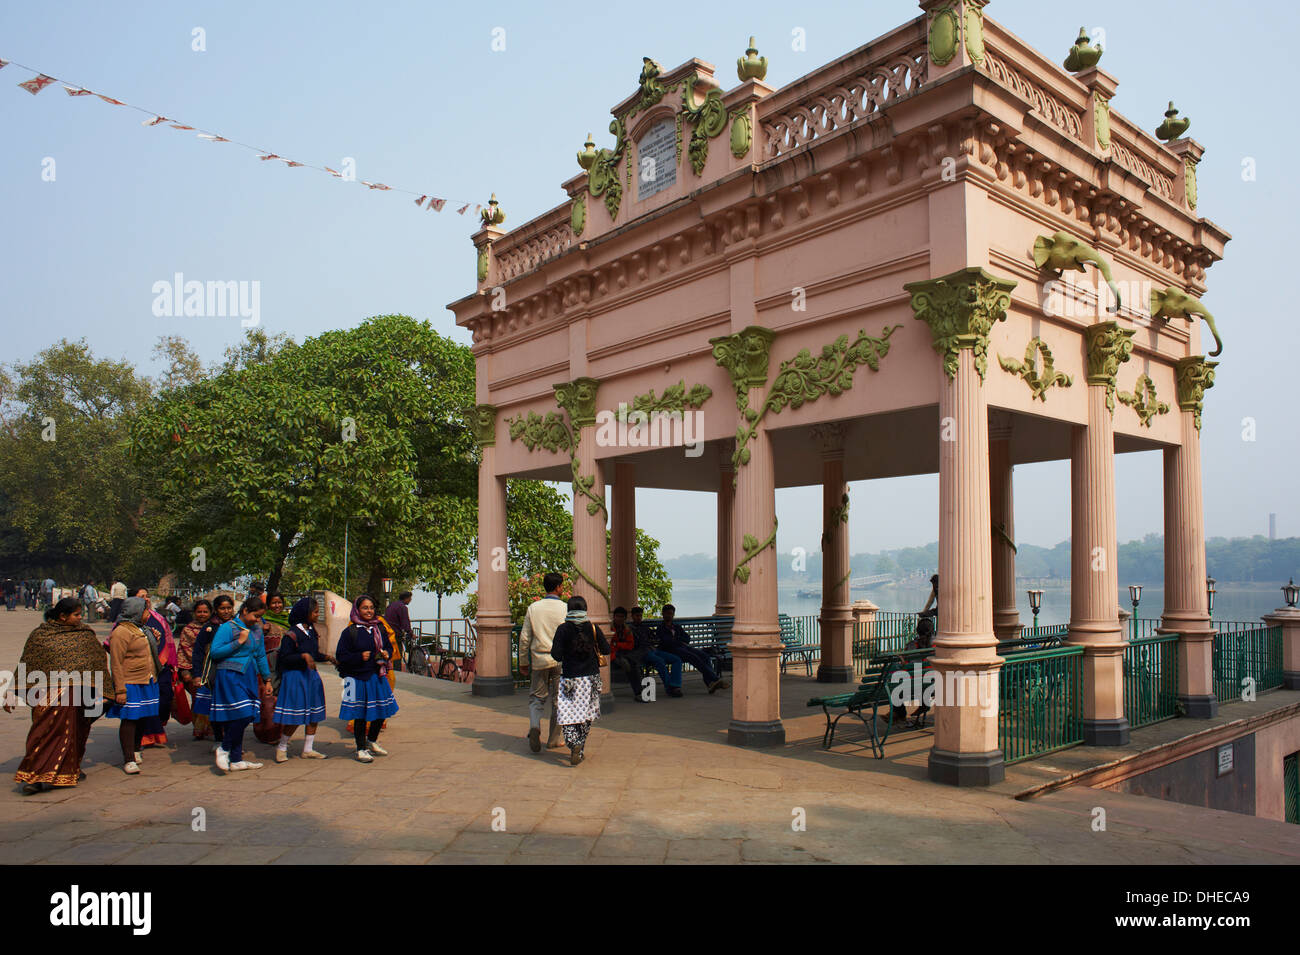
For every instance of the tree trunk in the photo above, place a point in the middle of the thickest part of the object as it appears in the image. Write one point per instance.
(277, 573)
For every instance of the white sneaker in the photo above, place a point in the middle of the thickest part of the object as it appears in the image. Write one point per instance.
(244, 764)
(131, 768)
(364, 757)
(223, 760)
(376, 749)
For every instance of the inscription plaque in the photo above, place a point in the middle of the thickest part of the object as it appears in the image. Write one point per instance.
(656, 159)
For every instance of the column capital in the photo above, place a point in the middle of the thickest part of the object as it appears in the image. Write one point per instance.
(744, 355)
(1108, 346)
(960, 309)
(830, 436)
(1193, 376)
(483, 421)
(578, 398)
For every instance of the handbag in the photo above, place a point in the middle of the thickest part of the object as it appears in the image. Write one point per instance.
(602, 659)
(181, 711)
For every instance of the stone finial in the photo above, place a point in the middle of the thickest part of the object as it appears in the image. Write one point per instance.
(492, 214)
(588, 154)
(751, 66)
(1083, 54)
(1172, 127)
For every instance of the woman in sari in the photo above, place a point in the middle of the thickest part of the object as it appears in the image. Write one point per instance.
(223, 609)
(135, 680)
(68, 658)
(363, 663)
(301, 701)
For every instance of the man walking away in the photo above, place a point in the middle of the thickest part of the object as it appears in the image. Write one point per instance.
(544, 616)
(89, 598)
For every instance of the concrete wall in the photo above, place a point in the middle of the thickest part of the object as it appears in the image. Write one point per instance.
(1194, 780)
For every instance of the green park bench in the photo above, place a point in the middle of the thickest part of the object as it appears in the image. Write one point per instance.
(871, 695)
(793, 646)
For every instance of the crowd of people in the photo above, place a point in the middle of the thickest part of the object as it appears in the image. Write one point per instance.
(561, 652)
(223, 668)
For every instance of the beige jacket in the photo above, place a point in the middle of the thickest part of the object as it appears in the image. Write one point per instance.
(131, 657)
(540, 623)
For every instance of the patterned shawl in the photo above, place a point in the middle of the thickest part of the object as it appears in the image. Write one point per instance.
(55, 646)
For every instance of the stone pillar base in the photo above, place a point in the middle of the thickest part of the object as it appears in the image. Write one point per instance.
(1105, 732)
(967, 769)
(492, 686)
(769, 733)
(1200, 707)
(833, 674)
(1290, 680)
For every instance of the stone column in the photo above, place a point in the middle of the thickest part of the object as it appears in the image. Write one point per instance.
(836, 664)
(756, 635)
(624, 535)
(1288, 618)
(1185, 610)
(1006, 618)
(492, 621)
(725, 603)
(1094, 577)
(960, 309)
(590, 515)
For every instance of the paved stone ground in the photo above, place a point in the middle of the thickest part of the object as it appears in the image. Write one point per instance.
(660, 785)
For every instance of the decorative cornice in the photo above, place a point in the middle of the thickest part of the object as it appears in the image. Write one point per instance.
(1193, 376)
(1038, 381)
(483, 420)
(1107, 346)
(960, 309)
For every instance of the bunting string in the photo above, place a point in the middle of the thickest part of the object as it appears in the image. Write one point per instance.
(424, 200)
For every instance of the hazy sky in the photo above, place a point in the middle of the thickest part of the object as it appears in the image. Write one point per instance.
(416, 95)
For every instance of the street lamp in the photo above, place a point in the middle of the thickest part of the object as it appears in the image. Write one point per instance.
(1135, 595)
(1290, 592)
(388, 586)
(1035, 604)
(1209, 596)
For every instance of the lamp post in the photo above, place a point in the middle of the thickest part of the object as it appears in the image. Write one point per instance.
(1290, 592)
(1035, 604)
(388, 587)
(1135, 595)
(345, 558)
(1209, 596)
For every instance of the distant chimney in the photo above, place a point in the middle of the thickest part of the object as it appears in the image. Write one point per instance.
(1272, 527)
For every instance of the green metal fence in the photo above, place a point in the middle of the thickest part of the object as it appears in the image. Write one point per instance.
(1291, 787)
(806, 632)
(1040, 695)
(1151, 680)
(1253, 654)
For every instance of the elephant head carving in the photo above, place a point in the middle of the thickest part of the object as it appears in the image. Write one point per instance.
(1063, 251)
(1175, 303)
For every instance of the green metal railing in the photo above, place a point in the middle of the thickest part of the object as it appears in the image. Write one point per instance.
(1040, 694)
(1291, 787)
(1029, 631)
(1151, 680)
(806, 632)
(1253, 654)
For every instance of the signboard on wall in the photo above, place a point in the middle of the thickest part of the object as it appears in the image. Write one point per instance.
(1225, 759)
(656, 159)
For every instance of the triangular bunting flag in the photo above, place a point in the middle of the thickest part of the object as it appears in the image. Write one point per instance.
(156, 121)
(77, 92)
(179, 126)
(110, 100)
(419, 203)
(3, 64)
(37, 84)
(437, 204)
(290, 163)
(333, 173)
(268, 156)
(210, 137)
(461, 210)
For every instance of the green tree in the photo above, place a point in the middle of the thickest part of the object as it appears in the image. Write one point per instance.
(68, 483)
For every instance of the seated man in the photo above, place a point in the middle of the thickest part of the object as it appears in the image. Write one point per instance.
(675, 640)
(923, 640)
(669, 665)
(624, 653)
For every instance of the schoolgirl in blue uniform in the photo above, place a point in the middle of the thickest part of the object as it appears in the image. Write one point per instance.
(362, 653)
(302, 693)
(239, 666)
(223, 609)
